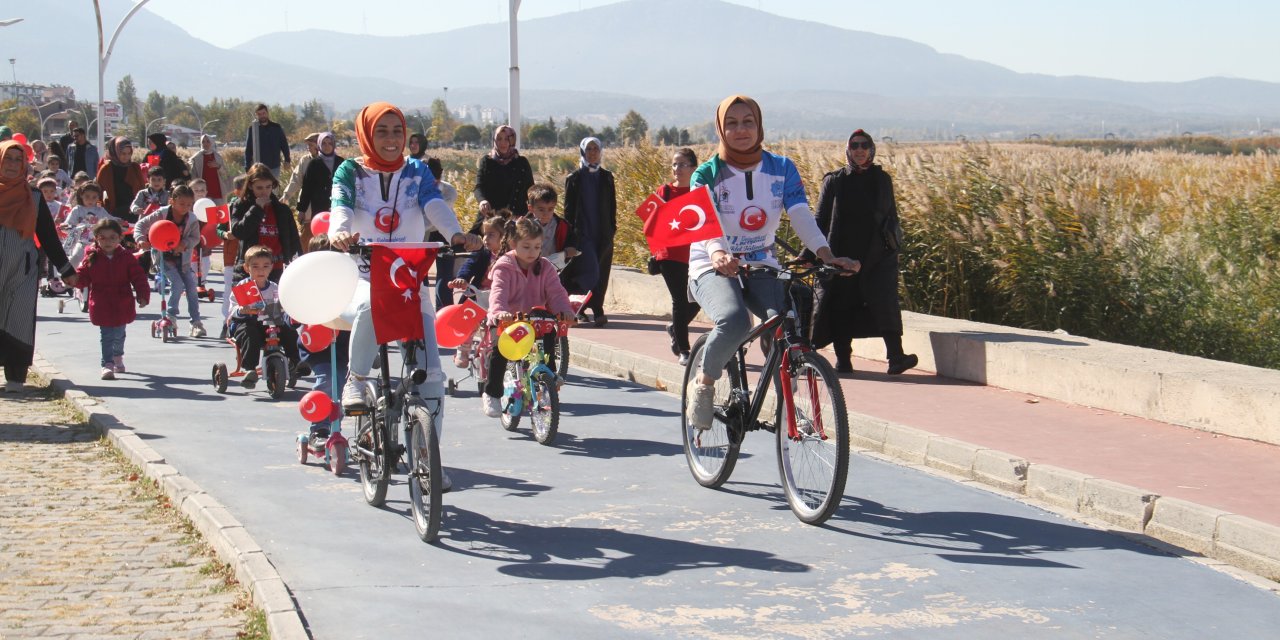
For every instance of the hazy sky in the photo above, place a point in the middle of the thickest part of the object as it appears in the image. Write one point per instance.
(1122, 39)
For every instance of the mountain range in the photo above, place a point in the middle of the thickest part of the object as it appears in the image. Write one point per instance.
(671, 60)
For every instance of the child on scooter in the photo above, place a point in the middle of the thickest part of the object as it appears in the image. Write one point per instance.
(114, 280)
(247, 328)
(177, 262)
(318, 362)
(522, 280)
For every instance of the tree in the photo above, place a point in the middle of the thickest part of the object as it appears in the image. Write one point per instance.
(21, 118)
(608, 136)
(467, 134)
(541, 135)
(156, 103)
(127, 96)
(632, 128)
(572, 133)
(684, 138)
(441, 122)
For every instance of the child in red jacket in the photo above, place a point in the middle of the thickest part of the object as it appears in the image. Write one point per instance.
(114, 280)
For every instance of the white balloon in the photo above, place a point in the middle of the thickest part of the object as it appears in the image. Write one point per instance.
(315, 288)
(201, 209)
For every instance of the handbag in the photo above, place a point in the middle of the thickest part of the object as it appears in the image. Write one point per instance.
(653, 267)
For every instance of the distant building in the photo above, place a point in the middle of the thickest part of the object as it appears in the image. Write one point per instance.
(181, 136)
(492, 115)
(38, 92)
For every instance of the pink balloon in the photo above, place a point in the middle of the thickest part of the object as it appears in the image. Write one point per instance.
(316, 337)
(316, 406)
(320, 223)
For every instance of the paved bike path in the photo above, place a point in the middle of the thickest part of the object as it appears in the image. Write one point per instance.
(1234, 475)
(605, 534)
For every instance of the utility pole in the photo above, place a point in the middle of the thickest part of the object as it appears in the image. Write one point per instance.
(104, 55)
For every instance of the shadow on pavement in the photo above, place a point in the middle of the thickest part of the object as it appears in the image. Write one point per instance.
(582, 410)
(155, 387)
(590, 553)
(609, 448)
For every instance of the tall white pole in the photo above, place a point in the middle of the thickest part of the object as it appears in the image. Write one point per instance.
(513, 85)
(104, 56)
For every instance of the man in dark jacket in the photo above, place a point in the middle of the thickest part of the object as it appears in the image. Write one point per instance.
(81, 154)
(266, 143)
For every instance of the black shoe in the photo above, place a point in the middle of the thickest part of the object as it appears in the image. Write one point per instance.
(844, 366)
(600, 320)
(319, 432)
(671, 333)
(301, 370)
(250, 379)
(902, 363)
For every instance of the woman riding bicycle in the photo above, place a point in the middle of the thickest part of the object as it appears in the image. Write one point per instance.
(752, 188)
(384, 197)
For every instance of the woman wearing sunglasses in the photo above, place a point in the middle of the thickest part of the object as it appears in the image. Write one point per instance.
(858, 216)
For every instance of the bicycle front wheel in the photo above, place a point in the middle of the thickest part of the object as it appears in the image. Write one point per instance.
(813, 459)
(374, 474)
(545, 414)
(424, 475)
(712, 453)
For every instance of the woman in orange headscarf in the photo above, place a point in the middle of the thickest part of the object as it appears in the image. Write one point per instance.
(23, 218)
(752, 189)
(382, 196)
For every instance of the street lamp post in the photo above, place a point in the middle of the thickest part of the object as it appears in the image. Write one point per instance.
(104, 54)
(195, 113)
(147, 131)
(513, 82)
(208, 124)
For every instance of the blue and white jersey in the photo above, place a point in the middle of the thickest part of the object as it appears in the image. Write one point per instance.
(411, 204)
(750, 204)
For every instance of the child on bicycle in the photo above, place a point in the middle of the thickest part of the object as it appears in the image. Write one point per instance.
(475, 272)
(114, 280)
(87, 212)
(247, 327)
(522, 280)
(151, 198)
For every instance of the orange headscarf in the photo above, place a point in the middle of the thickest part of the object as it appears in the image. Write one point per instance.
(740, 159)
(17, 204)
(364, 135)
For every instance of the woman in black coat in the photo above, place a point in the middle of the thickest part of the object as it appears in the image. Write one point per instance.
(859, 216)
(591, 209)
(317, 182)
(503, 178)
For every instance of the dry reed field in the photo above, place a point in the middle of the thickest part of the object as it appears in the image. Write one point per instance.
(1157, 248)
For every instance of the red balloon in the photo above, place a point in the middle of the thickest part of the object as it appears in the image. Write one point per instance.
(20, 138)
(455, 323)
(316, 337)
(164, 235)
(316, 406)
(335, 413)
(320, 223)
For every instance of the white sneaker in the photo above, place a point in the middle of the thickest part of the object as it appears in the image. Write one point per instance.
(108, 373)
(492, 407)
(702, 407)
(353, 395)
(197, 330)
(13, 386)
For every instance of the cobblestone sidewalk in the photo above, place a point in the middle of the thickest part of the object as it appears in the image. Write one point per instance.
(89, 550)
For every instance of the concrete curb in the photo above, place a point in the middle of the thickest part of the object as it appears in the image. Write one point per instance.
(229, 539)
(1200, 530)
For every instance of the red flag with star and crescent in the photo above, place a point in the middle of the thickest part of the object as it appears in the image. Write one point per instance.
(396, 272)
(246, 293)
(680, 221)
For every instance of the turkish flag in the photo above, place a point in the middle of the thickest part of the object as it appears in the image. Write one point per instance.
(649, 206)
(151, 208)
(218, 214)
(395, 284)
(690, 218)
(247, 293)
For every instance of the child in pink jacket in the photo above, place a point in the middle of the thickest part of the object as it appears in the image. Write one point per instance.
(522, 280)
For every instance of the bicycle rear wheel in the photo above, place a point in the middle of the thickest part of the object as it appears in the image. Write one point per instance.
(814, 464)
(374, 475)
(424, 475)
(545, 414)
(711, 454)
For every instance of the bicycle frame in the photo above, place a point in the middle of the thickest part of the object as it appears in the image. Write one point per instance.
(778, 361)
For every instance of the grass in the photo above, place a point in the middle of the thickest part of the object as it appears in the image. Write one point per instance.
(1169, 244)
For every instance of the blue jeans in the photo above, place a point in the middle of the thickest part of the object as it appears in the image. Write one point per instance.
(728, 305)
(182, 278)
(112, 343)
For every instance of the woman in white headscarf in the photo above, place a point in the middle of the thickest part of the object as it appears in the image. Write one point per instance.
(591, 209)
(207, 164)
(317, 182)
